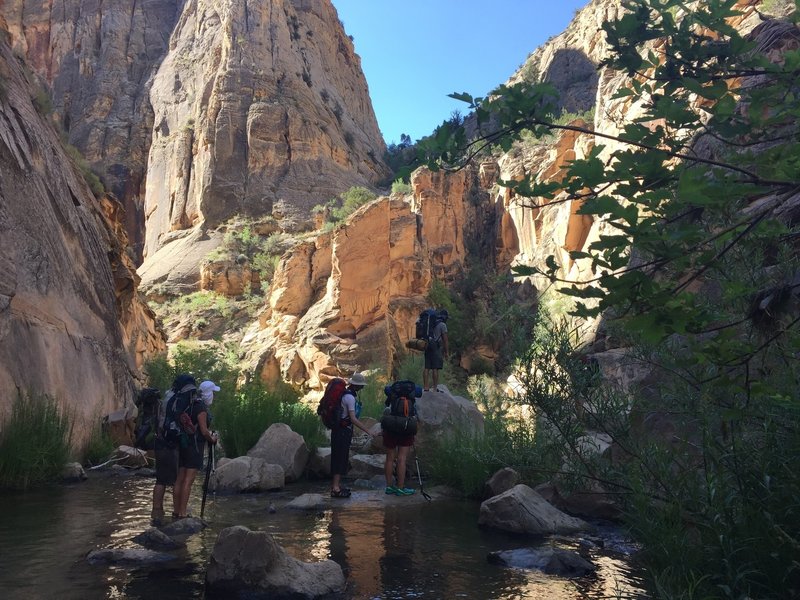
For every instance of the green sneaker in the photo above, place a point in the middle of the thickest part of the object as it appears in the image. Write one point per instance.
(391, 490)
(405, 491)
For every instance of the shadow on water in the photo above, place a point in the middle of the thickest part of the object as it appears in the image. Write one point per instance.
(398, 550)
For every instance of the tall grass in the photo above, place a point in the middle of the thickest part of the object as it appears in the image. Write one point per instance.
(465, 459)
(34, 442)
(99, 447)
(242, 417)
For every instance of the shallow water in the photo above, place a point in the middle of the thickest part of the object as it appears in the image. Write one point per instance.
(387, 550)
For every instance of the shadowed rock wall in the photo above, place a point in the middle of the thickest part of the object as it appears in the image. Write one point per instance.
(72, 324)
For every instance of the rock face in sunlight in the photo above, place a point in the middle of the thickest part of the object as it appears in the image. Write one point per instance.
(349, 298)
(260, 109)
(72, 324)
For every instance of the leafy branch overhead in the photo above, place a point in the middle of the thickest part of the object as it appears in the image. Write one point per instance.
(693, 196)
(716, 128)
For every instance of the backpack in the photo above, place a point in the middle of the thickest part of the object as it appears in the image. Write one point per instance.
(330, 405)
(178, 423)
(425, 324)
(400, 417)
(147, 402)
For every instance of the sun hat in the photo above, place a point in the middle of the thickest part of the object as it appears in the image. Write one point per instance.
(357, 379)
(208, 386)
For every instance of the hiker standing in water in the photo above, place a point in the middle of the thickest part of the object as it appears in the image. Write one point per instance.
(437, 350)
(165, 449)
(342, 436)
(194, 435)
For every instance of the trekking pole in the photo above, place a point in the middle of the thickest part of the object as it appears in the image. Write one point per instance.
(209, 467)
(419, 476)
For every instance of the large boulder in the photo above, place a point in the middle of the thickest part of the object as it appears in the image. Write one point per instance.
(279, 445)
(364, 466)
(592, 502)
(73, 472)
(441, 413)
(155, 539)
(252, 562)
(319, 465)
(522, 510)
(502, 481)
(247, 474)
(128, 556)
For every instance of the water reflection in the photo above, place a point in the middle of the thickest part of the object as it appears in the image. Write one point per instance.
(413, 550)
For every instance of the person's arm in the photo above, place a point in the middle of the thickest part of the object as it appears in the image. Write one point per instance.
(445, 344)
(358, 423)
(204, 431)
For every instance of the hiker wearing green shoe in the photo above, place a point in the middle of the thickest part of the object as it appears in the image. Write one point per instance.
(397, 448)
(398, 441)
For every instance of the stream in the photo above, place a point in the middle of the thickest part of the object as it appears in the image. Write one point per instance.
(397, 549)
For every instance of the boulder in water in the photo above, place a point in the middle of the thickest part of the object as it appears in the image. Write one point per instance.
(522, 510)
(155, 539)
(127, 556)
(552, 561)
(252, 562)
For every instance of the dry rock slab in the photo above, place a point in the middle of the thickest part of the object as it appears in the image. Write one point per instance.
(279, 445)
(247, 474)
(522, 510)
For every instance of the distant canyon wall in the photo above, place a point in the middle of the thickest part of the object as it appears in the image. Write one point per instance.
(192, 111)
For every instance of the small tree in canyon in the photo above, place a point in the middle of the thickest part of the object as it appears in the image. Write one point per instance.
(696, 271)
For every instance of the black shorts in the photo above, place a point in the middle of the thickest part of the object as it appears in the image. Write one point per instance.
(340, 450)
(434, 359)
(191, 456)
(166, 463)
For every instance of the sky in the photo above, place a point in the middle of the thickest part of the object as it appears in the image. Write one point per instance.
(416, 52)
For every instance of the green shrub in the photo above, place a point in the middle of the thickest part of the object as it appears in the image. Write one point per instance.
(99, 447)
(401, 187)
(204, 362)
(242, 417)
(91, 178)
(265, 265)
(34, 442)
(348, 202)
(465, 460)
(372, 396)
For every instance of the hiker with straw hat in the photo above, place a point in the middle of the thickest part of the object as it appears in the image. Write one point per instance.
(342, 436)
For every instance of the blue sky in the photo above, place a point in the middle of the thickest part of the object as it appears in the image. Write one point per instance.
(415, 52)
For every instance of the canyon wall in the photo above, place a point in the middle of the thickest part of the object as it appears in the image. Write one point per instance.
(72, 324)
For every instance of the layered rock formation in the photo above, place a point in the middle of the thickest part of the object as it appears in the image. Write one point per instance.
(72, 324)
(260, 108)
(349, 299)
(97, 59)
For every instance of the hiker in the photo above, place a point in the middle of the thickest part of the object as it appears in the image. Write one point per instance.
(166, 452)
(436, 351)
(342, 435)
(192, 446)
(398, 444)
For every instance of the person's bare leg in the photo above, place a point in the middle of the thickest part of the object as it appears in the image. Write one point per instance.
(436, 379)
(158, 497)
(335, 483)
(186, 488)
(425, 379)
(402, 455)
(388, 466)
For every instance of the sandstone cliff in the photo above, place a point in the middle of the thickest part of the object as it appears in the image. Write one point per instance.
(96, 60)
(350, 299)
(72, 324)
(193, 111)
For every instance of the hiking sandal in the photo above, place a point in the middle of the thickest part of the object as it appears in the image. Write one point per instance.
(344, 493)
